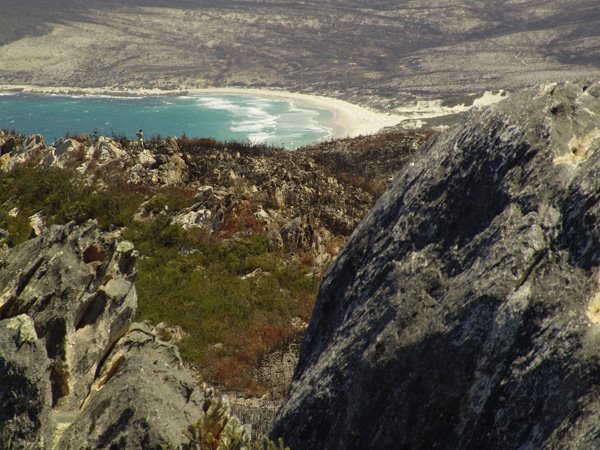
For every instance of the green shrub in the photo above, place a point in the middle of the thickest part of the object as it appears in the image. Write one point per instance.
(194, 280)
(17, 227)
(62, 196)
(202, 290)
(112, 208)
(218, 429)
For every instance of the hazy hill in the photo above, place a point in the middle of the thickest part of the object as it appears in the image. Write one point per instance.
(373, 52)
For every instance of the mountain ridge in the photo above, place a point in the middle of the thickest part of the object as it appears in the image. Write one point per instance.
(382, 56)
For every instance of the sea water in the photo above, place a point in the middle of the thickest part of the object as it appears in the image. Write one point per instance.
(224, 117)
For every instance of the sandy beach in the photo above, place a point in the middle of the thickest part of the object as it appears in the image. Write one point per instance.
(349, 120)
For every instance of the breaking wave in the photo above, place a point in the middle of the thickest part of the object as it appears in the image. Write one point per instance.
(226, 117)
(268, 120)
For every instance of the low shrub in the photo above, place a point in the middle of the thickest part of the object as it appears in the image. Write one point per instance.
(218, 429)
(61, 196)
(192, 279)
(231, 321)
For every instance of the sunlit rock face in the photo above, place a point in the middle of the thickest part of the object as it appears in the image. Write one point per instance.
(464, 312)
(76, 372)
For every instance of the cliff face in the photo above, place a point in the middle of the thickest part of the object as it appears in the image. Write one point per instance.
(464, 311)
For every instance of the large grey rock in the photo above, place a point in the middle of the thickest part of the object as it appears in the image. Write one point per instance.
(33, 150)
(142, 398)
(107, 150)
(69, 153)
(299, 235)
(164, 166)
(275, 373)
(66, 147)
(465, 310)
(25, 390)
(75, 372)
(173, 171)
(77, 286)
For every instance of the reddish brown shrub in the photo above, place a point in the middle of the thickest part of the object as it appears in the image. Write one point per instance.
(234, 367)
(307, 259)
(240, 220)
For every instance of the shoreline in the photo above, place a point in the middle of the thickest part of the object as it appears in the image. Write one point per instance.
(349, 120)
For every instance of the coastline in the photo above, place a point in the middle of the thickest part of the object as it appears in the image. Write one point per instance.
(349, 120)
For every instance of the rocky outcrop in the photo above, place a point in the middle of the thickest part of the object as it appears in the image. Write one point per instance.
(230, 191)
(76, 372)
(77, 286)
(141, 398)
(237, 186)
(25, 397)
(299, 235)
(464, 310)
(32, 150)
(104, 156)
(259, 412)
(275, 373)
(275, 186)
(163, 165)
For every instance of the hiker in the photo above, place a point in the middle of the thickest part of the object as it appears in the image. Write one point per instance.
(140, 136)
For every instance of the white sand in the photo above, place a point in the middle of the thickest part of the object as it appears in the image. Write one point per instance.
(349, 120)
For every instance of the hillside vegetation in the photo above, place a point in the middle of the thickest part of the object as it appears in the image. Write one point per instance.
(233, 238)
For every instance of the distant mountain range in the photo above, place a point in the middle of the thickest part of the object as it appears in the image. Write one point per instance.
(378, 53)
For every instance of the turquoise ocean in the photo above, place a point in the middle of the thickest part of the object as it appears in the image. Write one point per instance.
(225, 117)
